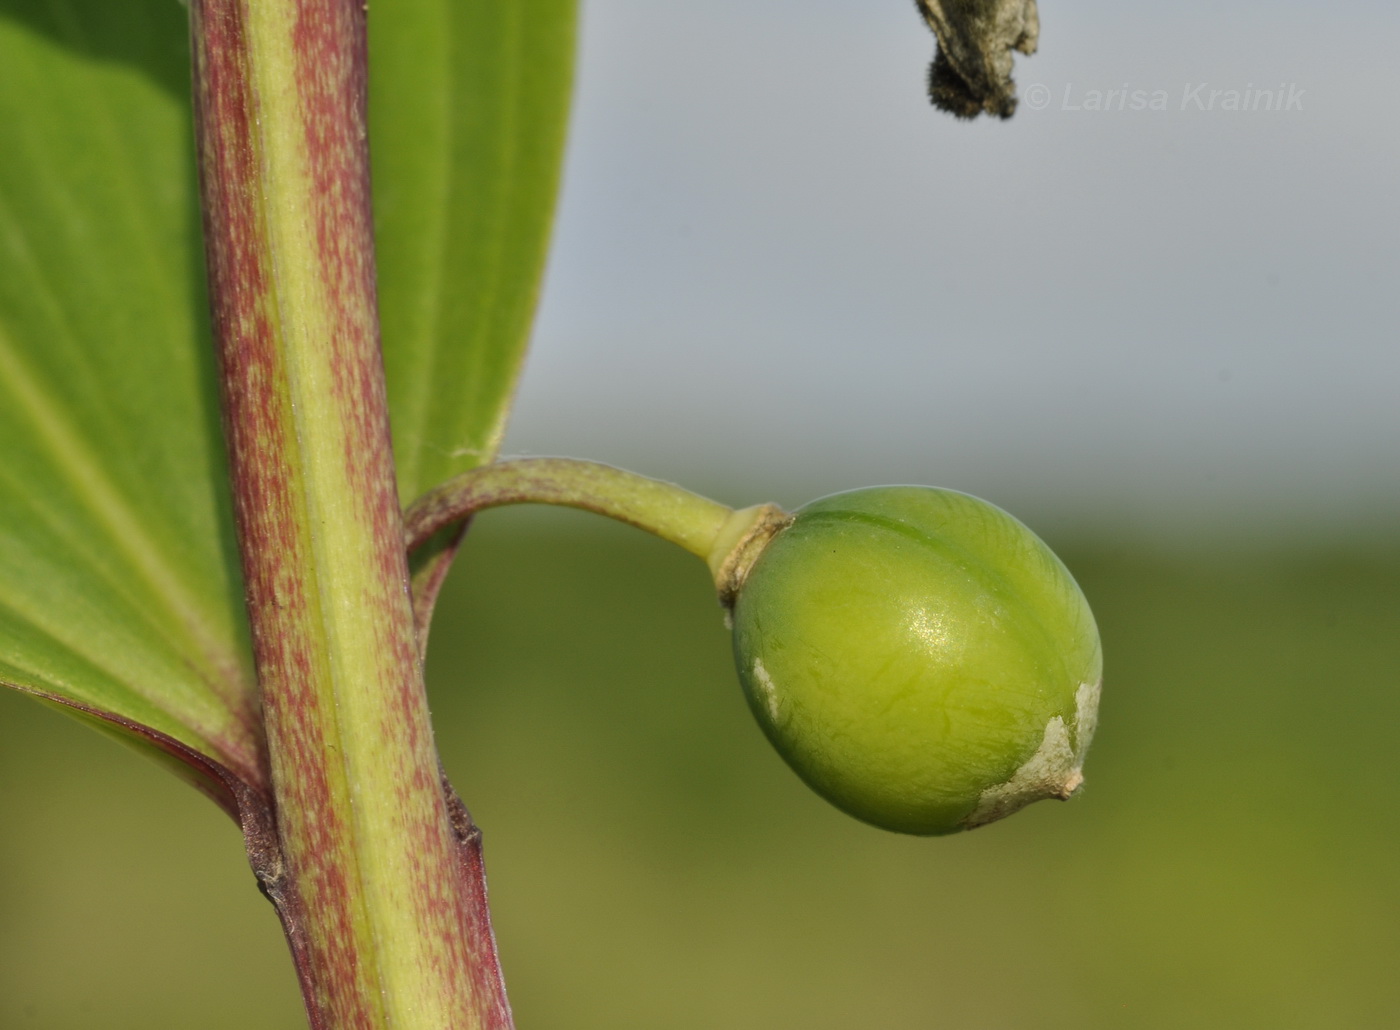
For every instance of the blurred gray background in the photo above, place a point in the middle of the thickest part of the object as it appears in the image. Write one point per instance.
(776, 259)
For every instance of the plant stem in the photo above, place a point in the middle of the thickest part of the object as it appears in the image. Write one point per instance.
(726, 539)
(381, 902)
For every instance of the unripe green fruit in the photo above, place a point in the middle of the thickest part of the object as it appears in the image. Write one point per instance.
(919, 657)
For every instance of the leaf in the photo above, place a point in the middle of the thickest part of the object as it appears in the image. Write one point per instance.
(468, 102)
(119, 589)
(118, 585)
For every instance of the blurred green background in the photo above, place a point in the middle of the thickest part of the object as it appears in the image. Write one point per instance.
(1231, 862)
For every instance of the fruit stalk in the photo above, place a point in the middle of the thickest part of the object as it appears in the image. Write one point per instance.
(712, 531)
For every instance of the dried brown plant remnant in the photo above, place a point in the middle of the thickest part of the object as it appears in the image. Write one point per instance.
(971, 70)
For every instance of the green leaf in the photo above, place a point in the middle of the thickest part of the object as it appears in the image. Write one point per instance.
(468, 102)
(119, 589)
(118, 582)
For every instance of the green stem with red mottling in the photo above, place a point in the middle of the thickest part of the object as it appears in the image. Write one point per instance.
(379, 882)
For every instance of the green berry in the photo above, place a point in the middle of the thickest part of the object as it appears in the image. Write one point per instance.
(919, 657)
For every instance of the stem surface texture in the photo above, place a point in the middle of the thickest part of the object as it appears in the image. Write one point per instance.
(379, 887)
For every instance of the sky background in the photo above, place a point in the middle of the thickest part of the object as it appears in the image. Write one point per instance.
(777, 265)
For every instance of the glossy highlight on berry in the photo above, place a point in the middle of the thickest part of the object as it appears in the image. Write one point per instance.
(920, 658)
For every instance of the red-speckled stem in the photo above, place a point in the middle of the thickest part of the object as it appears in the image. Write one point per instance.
(381, 891)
